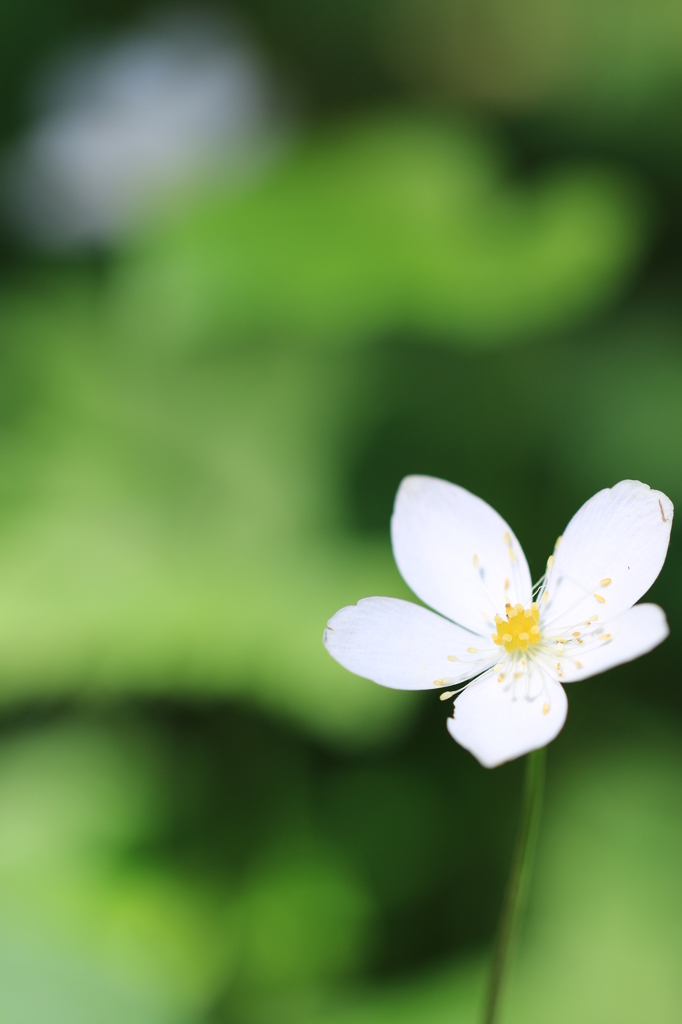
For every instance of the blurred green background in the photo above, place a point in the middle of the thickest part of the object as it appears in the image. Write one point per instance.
(257, 263)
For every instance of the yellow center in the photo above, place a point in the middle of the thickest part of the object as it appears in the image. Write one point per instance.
(519, 629)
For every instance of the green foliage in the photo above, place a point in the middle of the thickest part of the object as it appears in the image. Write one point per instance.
(202, 817)
(390, 224)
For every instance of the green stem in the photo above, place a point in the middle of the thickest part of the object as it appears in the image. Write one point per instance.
(518, 882)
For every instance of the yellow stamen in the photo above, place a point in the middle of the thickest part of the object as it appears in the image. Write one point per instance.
(472, 650)
(545, 708)
(446, 695)
(520, 630)
(605, 582)
(602, 600)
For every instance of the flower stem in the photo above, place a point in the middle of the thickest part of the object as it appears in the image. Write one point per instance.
(518, 882)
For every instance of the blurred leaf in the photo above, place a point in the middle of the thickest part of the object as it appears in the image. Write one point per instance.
(85, 934)
(607, 907)
(600, 68)
(174, 525)
(84, 946)
(450, 994)
(71, 792)
(305, 920)
(389, 224)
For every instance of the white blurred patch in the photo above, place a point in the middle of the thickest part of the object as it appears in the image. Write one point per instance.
(123, 126)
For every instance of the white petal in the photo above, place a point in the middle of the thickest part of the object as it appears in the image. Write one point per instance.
(611, 552)
(456, 553)
(402, 645)
(495, 727)
(635, 632)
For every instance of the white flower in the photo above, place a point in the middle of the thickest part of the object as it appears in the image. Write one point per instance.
(460, 557)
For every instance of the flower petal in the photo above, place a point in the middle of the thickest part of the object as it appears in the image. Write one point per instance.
(404, 646)
(610, 554)
(637, 631)
(497, 725)
(456, 553)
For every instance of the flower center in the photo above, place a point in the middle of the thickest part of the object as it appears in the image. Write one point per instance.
(519, 629)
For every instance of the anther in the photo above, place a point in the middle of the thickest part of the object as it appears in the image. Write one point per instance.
(517, 675)
(558, 541)
(446, 694)
(550, 561)
(605, 582)
(512, 554)
(545, 708)
(506, 584)
(593, 618)
(602, 600)
(558, 666)
(500, 678)
(475, 561)
(605, 636)
(441, 682)
(576, 633)
(472, 650)
(578, 664)
(498, 667)
(452, 657)
(545, 597)
(507, 539)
